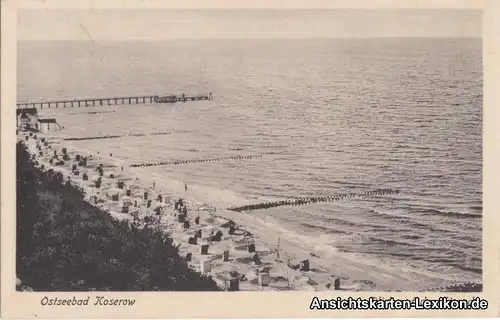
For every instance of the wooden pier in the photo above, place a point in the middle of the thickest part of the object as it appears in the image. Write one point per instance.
(91, 102)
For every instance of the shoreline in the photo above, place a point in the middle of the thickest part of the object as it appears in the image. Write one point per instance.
(240, 260)
(282, 275)
(64, 243)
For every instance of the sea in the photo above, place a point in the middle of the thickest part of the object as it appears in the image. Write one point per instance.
(324, 116)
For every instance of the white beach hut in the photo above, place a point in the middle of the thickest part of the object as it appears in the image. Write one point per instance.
(46, 125)
(127, 201)
(114, 194)
(206, 266)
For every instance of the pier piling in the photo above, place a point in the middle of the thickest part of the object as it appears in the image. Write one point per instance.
(115, 101)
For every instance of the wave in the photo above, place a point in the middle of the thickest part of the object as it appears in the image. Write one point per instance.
(326, 229)
(450, 214)
(476, 208)
(391, 242)
(411, 236)
(440, 258)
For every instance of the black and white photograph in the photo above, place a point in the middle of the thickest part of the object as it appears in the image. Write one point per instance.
(249, 150)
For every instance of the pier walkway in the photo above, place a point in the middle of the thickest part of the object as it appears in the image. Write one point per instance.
(90, 102)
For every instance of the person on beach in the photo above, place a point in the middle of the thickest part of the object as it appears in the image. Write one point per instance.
(185, 187)
(154, 184)
(122, 168)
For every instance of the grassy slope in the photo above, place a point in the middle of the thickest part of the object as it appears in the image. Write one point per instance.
(66, 244)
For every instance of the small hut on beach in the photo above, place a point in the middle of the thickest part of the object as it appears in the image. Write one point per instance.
(44, 124)
(127, 201)
(114, 194)
(27, 119)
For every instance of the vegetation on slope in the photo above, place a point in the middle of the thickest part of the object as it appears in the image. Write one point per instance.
(66, 244)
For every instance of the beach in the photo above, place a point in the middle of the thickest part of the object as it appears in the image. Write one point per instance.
(109, 197)
(241, 250)
(239, 260)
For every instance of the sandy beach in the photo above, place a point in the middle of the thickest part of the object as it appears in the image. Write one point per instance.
(210, 241)
(221, 243)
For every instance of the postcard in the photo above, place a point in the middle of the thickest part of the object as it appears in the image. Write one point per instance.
(298, 159)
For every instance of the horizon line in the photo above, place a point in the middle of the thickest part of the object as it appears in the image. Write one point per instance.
(252, 39)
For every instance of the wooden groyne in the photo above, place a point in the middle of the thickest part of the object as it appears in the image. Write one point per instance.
(90, 112)
(117, 136)
(312, 200)
(166, 163)
(468, 286)
(92, 102)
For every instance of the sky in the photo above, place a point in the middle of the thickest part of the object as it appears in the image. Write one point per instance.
(164, 24)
